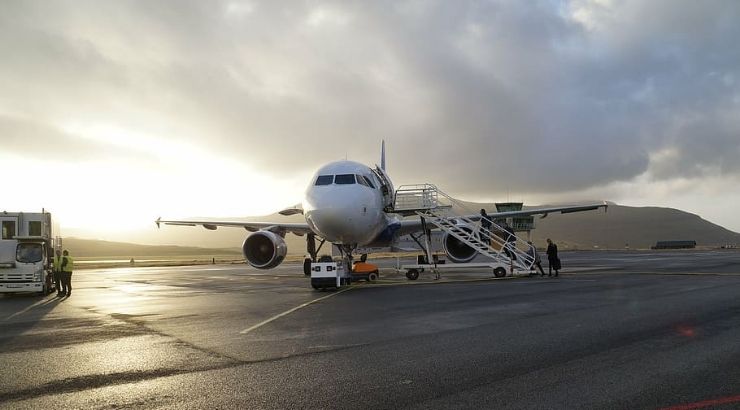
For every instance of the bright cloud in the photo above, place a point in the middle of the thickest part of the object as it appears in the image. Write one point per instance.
(225, 108)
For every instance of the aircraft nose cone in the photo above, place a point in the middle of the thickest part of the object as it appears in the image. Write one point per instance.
(336, 217)
(334, 224)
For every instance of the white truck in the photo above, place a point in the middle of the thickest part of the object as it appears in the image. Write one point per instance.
(26, 252)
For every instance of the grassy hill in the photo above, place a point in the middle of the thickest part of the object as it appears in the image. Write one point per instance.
(636, 227)
(90, 248)
(620, 226)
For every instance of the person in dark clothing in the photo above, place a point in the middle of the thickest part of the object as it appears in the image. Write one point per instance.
(510, 241)
(552, 258)
(57, 272)
(532, 252)
(485, 224)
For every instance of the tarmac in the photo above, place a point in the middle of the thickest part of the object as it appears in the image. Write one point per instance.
(617, 329)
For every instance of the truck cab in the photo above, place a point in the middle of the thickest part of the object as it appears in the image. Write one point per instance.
(26, 253)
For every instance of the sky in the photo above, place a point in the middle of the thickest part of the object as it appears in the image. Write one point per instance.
(113, 113)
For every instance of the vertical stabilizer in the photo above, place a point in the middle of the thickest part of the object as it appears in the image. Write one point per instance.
(382, 155)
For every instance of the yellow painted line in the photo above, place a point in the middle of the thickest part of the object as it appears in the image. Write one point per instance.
(436, 282)
(287, 312)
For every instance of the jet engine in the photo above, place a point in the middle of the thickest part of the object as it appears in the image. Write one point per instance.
(264, 249)
(456, 250)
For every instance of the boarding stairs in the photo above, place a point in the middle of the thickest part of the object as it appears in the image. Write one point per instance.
(454, 218)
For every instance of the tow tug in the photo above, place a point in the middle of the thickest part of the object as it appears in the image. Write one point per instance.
(327, 275)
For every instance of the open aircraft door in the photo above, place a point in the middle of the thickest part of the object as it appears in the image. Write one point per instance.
(386, 187)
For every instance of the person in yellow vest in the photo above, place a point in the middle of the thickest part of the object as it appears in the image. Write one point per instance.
(57, 271)
(67, 268)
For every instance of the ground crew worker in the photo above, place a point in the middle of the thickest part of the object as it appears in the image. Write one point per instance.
(67, 268)
(552, 258)
(56, 269)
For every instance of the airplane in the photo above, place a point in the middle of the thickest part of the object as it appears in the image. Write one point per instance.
(350, 205)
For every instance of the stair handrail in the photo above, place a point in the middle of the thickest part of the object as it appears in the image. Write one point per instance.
(524, 260)
(416, 196)
(489, 232)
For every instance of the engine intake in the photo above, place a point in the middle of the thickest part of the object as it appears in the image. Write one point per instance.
(264, 249)
(456, 250)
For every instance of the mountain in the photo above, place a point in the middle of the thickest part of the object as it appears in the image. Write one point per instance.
(620, 226)
(90, 248)
(636, 227)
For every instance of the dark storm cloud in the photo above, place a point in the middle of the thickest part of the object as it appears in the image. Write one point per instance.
(539, 96)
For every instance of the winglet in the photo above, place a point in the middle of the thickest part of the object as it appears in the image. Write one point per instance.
(157, 221)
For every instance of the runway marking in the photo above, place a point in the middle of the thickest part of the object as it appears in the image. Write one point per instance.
(704, 404)
(287, 312)
(692, 273)
(432, 282)
(441, 281)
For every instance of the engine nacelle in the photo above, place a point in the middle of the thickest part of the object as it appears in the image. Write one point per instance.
(264, 249)
(456, 250)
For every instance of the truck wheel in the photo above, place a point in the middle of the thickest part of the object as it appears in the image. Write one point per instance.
(372, 276)
(412, 274)
(307, 267)
(499, 272)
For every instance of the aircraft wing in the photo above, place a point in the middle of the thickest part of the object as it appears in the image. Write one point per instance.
(296, 228)
(543, 211)
(410, 225)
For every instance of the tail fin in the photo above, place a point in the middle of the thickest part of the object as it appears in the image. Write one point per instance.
(382, 155)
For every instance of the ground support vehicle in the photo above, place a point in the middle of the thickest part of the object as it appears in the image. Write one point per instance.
(26, 252)
(498, 269)
(365, 271)
(329, 275)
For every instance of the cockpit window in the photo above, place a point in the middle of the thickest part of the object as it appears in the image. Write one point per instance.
(344, 179)
(369, 181)
(324, 180)
(360, 180)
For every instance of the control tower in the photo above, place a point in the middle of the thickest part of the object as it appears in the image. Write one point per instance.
(518, 223)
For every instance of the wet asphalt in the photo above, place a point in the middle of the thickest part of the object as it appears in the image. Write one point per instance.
(616, 330)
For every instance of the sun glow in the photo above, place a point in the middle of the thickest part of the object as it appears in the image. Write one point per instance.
(142, 177)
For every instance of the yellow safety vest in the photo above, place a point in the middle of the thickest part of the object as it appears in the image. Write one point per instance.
(57, 263)
(70, 264)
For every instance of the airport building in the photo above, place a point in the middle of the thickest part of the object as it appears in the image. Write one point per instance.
(519, 223)
(675, 245)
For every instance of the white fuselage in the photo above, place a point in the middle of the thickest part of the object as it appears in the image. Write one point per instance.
(344, 204)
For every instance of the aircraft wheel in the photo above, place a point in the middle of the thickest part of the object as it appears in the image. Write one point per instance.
(499, 272)
(412, 274)
(325, 258)
(372, 276)
(307, 267)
